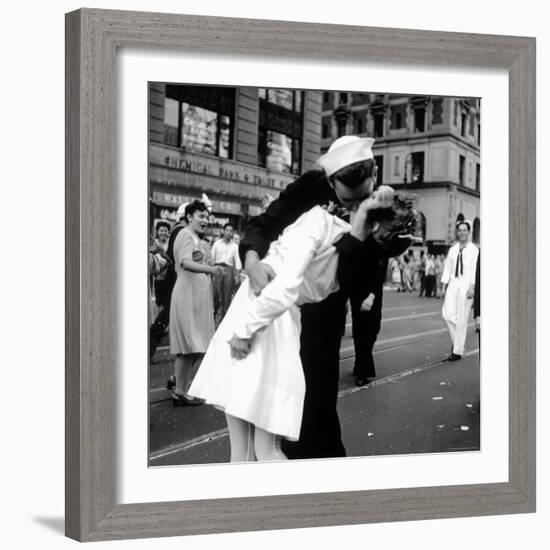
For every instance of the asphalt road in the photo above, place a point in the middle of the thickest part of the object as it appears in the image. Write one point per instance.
(419, 403)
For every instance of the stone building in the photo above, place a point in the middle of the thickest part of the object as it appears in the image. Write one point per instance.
(238, 145)
(427, 145)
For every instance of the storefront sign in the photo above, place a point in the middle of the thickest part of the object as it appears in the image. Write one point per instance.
(216, 220)
(174, 201)
(166, 214)
(194, 163)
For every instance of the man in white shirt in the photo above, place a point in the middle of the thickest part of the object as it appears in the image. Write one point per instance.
(430, 275)
(225, 253)
(458, 283)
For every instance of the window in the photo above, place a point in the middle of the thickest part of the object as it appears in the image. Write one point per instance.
(398, 116)
(278, 152)
(298, 98)
(200, 119)
(171, 121)
(326, 132)
(280, 130)
(418, 167)
(476, 231)
(359, 99)
(378, 124)
(359, 125)
(437, 110)
(379, 160)
(421, 226)
(343, 98)
(463, 121)
(204, 131)
(419, 119)
(478, 176)
(396, 166)
(461, 169)
(284, 98)
(398, 121)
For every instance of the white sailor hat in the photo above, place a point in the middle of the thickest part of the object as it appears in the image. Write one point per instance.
(345, 151)
(466, 222)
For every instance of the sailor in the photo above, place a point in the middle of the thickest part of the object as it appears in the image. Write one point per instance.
(458, 282)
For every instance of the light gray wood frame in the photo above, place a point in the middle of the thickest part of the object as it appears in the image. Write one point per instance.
(92, 39)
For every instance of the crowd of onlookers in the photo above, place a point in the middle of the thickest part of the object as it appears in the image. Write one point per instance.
(419, 272)
(160, 265)
(193, 278)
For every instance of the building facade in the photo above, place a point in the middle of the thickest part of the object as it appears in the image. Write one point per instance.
(240, 146)
(427, 145)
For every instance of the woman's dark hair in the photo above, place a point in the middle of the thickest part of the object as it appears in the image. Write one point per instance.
(400, 218)
(195, 206)
(354, 174)
(161, 224)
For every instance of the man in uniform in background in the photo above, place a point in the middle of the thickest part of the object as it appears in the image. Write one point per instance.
(458, 281)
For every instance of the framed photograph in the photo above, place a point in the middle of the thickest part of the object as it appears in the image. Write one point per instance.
(178, 146)
(425, 147)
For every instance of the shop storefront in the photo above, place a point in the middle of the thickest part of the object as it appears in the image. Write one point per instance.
(164, 206)
(236, 190)
(239, 146)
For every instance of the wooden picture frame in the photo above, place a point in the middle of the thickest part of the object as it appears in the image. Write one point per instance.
(92, 39)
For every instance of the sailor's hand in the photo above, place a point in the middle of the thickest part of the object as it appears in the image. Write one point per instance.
(367, 303)
(383, 197)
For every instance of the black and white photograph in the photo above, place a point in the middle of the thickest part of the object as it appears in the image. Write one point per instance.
(252, 275)
(314, 274)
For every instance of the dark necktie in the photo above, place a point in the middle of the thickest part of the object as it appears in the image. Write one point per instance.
(459, 264)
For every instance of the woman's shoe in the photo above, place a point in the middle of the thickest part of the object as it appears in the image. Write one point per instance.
(171, 382)
(182, 401)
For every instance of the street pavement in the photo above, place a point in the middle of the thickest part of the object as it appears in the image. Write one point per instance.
(418, 403)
